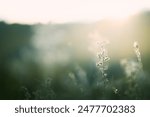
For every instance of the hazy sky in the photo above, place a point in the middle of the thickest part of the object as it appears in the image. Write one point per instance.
(32, 11)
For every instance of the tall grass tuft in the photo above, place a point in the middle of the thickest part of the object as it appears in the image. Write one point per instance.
(103, 59)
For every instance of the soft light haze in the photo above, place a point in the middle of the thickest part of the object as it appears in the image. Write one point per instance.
(60, 11)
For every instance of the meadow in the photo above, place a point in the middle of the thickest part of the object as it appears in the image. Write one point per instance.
(107, 59)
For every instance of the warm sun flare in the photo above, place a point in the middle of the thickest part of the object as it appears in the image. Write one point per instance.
(44, 11)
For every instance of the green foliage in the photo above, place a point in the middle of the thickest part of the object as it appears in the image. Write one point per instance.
(55, 61)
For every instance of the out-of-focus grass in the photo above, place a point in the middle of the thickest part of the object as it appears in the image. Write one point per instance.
(58, 61)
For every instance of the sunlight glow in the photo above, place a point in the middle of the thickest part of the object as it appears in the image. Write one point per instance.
(44, 11)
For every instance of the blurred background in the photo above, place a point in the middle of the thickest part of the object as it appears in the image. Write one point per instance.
(50, 49)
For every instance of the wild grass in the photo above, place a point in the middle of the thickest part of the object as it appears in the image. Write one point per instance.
(78, 82)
